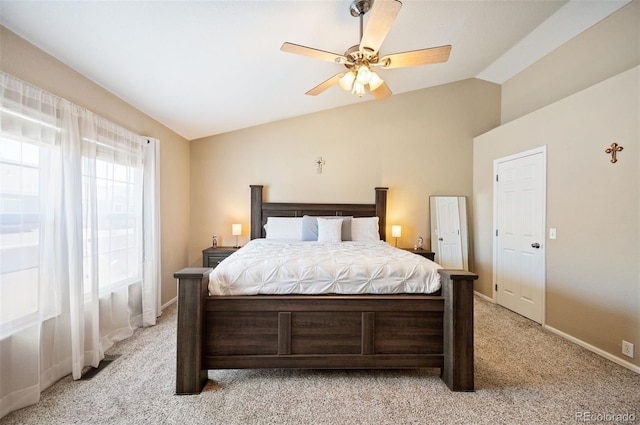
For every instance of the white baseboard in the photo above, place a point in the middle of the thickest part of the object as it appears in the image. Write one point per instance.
(168, 303)
(484, 297)
(596, 350)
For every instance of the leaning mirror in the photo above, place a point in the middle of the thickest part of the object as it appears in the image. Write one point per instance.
(449, 232)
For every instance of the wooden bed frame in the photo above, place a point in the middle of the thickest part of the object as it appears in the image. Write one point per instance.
(323, 331)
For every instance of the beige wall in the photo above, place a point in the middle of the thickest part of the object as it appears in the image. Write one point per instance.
(23, 60)
(593, 272)
(577, 101)
(418, 144)
(608, 48)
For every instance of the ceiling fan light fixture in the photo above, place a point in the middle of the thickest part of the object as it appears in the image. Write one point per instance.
(375, 81)
(364, 75)
(358, 89)
(361, 59)
(346, 81)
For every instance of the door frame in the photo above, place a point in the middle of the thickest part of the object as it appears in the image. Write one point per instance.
(539, 150)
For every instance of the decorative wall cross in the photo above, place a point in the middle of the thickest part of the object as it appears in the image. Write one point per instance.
(319, 164)
(613, 150)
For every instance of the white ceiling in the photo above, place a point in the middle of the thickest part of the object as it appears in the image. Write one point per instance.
(208, 67)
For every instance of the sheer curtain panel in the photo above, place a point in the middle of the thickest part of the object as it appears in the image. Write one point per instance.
(79, 239)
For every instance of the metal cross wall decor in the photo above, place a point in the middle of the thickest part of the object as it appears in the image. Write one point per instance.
(319, 164)
(613, 150)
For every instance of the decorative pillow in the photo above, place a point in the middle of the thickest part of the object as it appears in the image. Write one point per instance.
(329, 230)
(310, 227)
(365, 229)
(284, 228)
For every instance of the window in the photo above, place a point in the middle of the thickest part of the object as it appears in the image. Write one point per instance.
(19, 228)
(118, 235)
(111, 219)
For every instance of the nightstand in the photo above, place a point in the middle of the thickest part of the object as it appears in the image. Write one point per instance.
(423, 252)
(211, 256)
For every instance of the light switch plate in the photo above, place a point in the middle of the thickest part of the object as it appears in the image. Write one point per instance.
(552, 233)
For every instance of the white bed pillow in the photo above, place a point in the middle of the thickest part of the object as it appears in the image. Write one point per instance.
(310, 227)
(282, 228)
(330, 230)
(365, 229)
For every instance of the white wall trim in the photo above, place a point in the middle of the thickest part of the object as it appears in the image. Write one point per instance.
(596, 350)
(484, 297)
(168, 303)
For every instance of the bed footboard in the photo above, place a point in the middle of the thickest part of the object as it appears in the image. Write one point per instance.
(333, 331)
(457, 289)
(192, 291)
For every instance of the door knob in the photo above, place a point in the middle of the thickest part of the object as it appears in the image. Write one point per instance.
(440, 239)
(535, 245)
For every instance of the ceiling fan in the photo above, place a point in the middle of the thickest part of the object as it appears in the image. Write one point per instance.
(362, 58)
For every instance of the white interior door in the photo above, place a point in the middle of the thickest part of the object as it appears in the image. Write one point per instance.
(520, 193)
(448, 233)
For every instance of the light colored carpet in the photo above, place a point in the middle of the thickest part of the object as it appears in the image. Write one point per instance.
(524, 375)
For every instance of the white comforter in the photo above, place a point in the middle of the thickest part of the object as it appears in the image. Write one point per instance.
(293, 267)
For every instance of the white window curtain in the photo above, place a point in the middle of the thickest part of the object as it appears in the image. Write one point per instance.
(79, 239)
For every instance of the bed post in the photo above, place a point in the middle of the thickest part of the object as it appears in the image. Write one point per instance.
(381, 211)
(256, 211)
(457, 290)
(192, 290)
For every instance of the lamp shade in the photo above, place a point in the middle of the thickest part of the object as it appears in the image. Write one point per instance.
(358, 89)
(236, 229)
(396, 231)
(375, 81)
(364, 75)
(346, 81)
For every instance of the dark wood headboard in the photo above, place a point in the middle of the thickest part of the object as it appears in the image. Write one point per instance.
(260, 210)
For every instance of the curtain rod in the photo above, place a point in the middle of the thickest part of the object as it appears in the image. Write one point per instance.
(62, 99)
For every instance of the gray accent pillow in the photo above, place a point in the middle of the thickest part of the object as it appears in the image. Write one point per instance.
(310, 227)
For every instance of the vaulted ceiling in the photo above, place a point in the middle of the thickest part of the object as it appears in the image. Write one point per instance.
(207, 67)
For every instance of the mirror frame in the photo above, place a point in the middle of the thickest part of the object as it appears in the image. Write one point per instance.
(464, 228)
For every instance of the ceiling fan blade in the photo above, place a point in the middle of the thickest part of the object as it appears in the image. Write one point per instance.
(382, 91)
(325, 85)
(416, 57)
(313, 53)
(382, 15)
